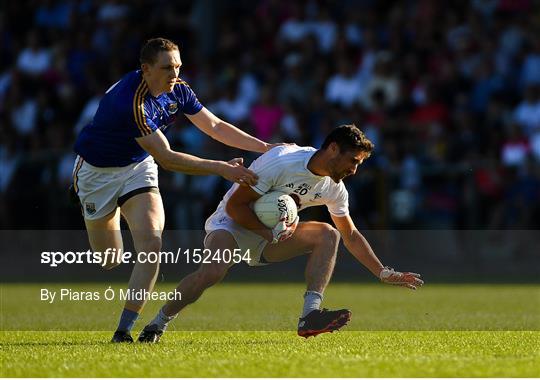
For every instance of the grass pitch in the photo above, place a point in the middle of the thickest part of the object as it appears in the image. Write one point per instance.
(250, 332)
(274, 354)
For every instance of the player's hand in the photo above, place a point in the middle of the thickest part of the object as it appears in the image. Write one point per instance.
(406, 279)
(282, 231)
(234, 171)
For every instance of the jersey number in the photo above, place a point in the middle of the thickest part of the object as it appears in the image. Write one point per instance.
(301, 190)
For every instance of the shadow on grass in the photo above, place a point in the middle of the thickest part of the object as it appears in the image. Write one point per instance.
(175, 338)
(37, 344)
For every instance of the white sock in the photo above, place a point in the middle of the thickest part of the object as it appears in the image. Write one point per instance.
(162, 320)
(312, 301)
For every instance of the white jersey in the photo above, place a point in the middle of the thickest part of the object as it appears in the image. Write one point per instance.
(284, 169)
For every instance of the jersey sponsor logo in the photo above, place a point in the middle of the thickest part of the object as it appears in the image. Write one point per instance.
(90, 208)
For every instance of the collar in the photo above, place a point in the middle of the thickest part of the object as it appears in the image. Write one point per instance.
(306, 161)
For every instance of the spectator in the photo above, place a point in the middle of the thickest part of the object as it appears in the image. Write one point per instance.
(527, 113)
(295, 87)
(294, 29)
(450, 94)
(231, 106)
(34, 59)
(23, 112)
(515, 148)
(343, 88)
(266, 115)
(384, 81)
(530, 71)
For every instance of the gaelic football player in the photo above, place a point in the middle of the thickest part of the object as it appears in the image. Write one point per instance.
(116, 172)
(313, 177)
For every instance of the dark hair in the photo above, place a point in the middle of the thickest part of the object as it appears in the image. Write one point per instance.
(153, 47)
(348, 137)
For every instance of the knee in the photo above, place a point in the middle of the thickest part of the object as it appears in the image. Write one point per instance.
(211, 274)
(326, 234)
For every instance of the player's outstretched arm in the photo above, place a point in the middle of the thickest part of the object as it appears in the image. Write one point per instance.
(157, 145)
(227, 133)
(359, 247)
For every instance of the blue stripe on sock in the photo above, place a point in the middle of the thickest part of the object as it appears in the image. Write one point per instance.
(127, 320)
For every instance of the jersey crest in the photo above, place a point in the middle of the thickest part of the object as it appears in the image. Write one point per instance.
(173, 107)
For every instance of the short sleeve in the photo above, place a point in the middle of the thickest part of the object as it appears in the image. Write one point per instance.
(189, 102)
(338, 204)
(268, 167)
(141, 110)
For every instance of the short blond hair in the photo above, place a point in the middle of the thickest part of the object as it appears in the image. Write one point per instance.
(153, 47)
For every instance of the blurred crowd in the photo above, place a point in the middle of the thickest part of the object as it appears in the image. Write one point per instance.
(449, 92)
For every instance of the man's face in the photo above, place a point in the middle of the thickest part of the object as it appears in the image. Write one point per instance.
(342, 165)
(164, 71)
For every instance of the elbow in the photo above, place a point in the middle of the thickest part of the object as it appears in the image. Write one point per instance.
(234, 210)
(164, 164)
(163, 161)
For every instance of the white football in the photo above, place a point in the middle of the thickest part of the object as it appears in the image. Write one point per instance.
(271, 206)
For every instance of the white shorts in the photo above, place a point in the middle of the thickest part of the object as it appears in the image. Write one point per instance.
(245, 239)
(102, 190)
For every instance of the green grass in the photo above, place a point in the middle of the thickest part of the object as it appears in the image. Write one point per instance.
(394, 333)
(276, 353)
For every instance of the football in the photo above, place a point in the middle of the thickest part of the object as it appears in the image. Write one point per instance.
(271, 206)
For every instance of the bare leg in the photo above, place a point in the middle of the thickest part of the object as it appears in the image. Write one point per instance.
(321, 240)
(145, 216)
(103, 234)
(193, 285)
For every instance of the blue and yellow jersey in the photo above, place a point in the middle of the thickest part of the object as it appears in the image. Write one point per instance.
(128, 111)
